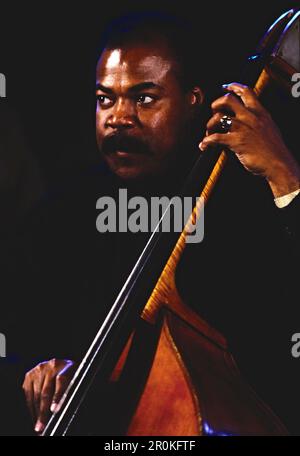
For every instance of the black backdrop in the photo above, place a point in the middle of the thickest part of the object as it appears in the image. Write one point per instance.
(48, 55)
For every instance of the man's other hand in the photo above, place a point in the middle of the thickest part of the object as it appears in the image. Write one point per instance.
(44, 386)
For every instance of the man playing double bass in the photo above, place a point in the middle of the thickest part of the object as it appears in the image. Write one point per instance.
(151, 125)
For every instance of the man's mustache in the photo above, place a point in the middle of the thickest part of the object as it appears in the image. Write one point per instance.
(124, 143)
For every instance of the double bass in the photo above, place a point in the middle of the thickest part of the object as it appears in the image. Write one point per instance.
(155, 367)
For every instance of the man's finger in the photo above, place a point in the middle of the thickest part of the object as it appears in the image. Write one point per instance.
(247, 96)
(37, 383)
(29, 397)
(214, 125)
(219, 139)
(229, 104)
(62, 381)
(46, 397)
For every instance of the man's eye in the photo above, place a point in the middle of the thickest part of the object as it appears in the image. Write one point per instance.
(145, 99)
(103, 100)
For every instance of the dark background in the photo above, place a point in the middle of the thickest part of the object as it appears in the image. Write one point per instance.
(48, 55)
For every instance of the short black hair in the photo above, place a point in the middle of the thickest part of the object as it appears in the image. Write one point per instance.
(180, 35)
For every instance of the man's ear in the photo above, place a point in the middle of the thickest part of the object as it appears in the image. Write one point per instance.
(197, 96)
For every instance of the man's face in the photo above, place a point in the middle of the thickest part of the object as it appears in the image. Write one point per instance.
(142, 111)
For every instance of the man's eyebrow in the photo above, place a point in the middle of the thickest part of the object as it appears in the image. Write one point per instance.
(135, 88)
(103, 88)
(145, 86)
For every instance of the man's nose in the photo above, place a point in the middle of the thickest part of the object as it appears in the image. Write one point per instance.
(123, 115)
